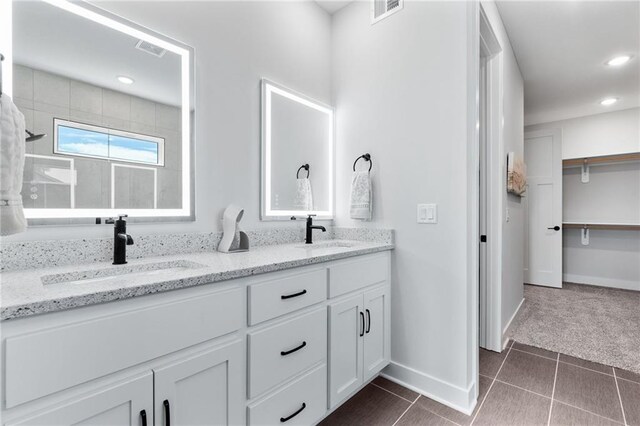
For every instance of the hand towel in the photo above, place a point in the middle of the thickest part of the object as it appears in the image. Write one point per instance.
(12, 143)
(304, 197)
(361, 205)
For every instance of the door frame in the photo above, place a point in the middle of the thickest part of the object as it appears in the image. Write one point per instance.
(492, 163)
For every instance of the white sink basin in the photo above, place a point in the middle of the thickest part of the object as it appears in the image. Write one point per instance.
(120, 272)
(327, 245)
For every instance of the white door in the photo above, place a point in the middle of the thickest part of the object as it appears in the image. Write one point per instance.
(346, 331)
(376, 350)
(203, 389)
(127, 403)
(543, 228)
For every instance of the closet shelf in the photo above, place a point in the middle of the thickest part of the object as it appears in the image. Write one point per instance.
(610, 226)
(604, 159)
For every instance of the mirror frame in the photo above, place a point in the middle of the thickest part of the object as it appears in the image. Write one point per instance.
(267, 88)
(186, 212)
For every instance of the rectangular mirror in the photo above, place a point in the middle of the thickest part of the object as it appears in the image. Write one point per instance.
(109, 106)
(297, 155)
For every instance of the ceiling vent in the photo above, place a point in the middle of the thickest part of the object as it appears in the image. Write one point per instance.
(381, 9)
(152, 49)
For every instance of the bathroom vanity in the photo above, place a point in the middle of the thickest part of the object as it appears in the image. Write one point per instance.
(282, 334)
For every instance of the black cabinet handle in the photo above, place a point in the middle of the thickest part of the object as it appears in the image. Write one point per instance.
(167, 413)
(361, 324)
(555, 228)
(368, 321)
(290, 351)
(286, 419)
(143, 417)
(289, 296)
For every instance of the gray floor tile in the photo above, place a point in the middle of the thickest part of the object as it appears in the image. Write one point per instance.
(371, 406)
(450, 413)
(418, 416)
(586, 364)
(630, 395)
(589, 390)
(530, 372)
(508, 405)
(537, 351)
(396, 388)
(490, 362)
(563, 415)
(628, 375)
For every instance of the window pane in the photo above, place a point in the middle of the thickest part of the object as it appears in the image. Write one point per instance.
(83, 142)
(133, 149)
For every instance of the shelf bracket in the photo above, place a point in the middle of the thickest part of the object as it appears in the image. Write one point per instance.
(585, 171)
(585, 236)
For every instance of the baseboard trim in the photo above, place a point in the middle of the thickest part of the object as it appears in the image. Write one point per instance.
(505, 330)
(453, 396)
(601, 282)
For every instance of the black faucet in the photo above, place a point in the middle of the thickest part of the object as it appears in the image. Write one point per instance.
(120, 239)
(310, 228)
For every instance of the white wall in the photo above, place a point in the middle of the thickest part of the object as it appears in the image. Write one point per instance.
(601, 134)
(513, 141)
(400, 89)
(612, 258)
(236, 43)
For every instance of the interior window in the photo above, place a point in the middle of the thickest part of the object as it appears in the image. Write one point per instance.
(85, 140)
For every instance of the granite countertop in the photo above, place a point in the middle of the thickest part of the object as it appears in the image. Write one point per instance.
(37, 291)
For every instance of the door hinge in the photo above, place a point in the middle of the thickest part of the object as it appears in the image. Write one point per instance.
(483, 238)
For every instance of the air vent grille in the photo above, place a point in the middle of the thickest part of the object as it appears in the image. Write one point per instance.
(150, 48)
(381, 9)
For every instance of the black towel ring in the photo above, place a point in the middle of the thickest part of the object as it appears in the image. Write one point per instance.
(304, 166)
(367, 157)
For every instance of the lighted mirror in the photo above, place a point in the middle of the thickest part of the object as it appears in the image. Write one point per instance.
(297, 155)
(109, 104)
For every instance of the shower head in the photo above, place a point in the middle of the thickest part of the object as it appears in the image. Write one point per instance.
(33, 137)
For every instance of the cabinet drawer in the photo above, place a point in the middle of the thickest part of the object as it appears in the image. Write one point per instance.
(286, 349)
(354, 274)
(276, 297)
(41, 363)
(310, 390)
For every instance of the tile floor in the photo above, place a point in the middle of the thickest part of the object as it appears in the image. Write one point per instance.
(522, 385)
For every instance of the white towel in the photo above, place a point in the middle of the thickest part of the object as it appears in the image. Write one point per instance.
(304, 196)
(12, 142)
(361, 205)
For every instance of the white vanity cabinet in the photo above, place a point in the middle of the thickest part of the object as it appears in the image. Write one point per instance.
(126, 403)
(284, 347)
(359, 341)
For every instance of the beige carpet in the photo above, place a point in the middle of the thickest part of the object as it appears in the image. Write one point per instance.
(593, 323)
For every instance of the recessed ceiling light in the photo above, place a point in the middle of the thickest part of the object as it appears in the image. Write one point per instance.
(618, 60)
(124, 79)
(608, 101)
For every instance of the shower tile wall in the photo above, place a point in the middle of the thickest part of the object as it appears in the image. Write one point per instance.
(42, 96)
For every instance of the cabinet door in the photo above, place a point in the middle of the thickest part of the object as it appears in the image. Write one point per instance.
(127, 403)
(203, 389)
(377, 331)
(346, 328)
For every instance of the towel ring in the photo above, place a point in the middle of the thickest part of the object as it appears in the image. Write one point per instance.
(304, 166)
(367, 157)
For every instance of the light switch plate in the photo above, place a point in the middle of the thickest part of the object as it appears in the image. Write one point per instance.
(427, 213)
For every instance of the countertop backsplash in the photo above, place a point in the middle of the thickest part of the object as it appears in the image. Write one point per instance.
(47, 253)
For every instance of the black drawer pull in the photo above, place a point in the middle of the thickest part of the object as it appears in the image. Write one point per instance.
(361, 324)
(286, 419)
(143, 417)
(290, 351)
(167, 413)
(289, 296)
(368, 321)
